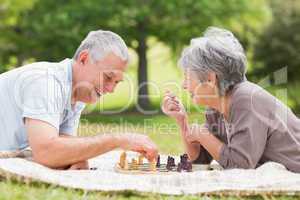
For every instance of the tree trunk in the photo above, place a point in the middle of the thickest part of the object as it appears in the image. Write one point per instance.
(143, 98)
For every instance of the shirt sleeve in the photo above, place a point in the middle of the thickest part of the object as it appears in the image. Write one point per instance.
(204, 157)
(247, 138)
(42, 99)
(70, 125)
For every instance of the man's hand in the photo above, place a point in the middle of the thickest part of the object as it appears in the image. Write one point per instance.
(139, 143)
(172, 107)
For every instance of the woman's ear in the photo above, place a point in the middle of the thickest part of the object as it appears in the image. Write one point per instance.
(212, 78)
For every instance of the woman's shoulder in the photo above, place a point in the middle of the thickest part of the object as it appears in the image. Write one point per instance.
(248, 95)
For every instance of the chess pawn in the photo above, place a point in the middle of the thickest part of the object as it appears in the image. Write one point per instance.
(153, 165)
(134, 164)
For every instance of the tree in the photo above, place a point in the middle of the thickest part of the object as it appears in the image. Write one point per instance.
(58, 26)
(279, 45)
(278, 49)
(10, 33)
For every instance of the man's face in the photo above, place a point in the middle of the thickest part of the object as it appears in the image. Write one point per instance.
(98, 78)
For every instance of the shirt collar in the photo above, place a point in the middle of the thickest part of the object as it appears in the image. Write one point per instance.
(67, 65)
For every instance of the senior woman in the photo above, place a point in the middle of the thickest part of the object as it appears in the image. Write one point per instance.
(245, 125)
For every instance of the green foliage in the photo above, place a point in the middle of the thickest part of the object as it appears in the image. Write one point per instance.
(52, 30)
(10, 37)
(279, 45)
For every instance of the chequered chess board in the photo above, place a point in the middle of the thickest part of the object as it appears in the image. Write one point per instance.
(146, 168)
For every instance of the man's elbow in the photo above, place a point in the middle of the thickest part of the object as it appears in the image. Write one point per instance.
(44, 154)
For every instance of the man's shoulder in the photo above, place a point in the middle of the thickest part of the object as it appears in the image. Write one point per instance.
(43, 79)
(54, 69)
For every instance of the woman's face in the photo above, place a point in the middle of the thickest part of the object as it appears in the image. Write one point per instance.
(201, 93)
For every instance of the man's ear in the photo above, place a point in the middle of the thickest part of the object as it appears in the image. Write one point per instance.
(83, 57)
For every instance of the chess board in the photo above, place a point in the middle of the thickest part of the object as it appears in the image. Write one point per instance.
(138, 166)
(145, 169)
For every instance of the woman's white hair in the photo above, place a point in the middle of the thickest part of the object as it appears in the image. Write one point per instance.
(99, 43)
(217, 51)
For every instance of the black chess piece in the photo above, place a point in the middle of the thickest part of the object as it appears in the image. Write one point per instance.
(158, 161)
(189, 167)
(185, 164)
(184, 158)
(170, 163)
(179, 167)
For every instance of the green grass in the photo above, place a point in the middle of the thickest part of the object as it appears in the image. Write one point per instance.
(168, 141)
(11, 190)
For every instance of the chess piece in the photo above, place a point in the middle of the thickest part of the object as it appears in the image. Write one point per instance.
(122, 159)
(134, 164)
(183, 158)
(153, 165)
(170, 163)
(179, 168)
(158, 161)
(188, 166)
(140, 159)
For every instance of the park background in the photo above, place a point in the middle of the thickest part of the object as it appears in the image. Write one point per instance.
(156, 31)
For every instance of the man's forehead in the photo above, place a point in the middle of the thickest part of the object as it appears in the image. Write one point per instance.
(113, 62)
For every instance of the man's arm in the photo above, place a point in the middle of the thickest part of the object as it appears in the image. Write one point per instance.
(54, 151)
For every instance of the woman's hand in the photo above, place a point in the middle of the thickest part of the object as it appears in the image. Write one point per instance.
(196, 133)
(172, 107)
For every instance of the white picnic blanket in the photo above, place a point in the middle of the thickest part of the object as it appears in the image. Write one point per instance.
(269, 178)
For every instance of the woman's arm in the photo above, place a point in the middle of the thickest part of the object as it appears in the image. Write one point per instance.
(172, 107)
(210, 142)
(246, 141)
(191, 148)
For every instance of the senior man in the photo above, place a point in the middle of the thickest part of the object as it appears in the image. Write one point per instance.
(42, 103)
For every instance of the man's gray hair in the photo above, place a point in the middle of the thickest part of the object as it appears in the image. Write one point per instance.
(217, 51)
(99, 43)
